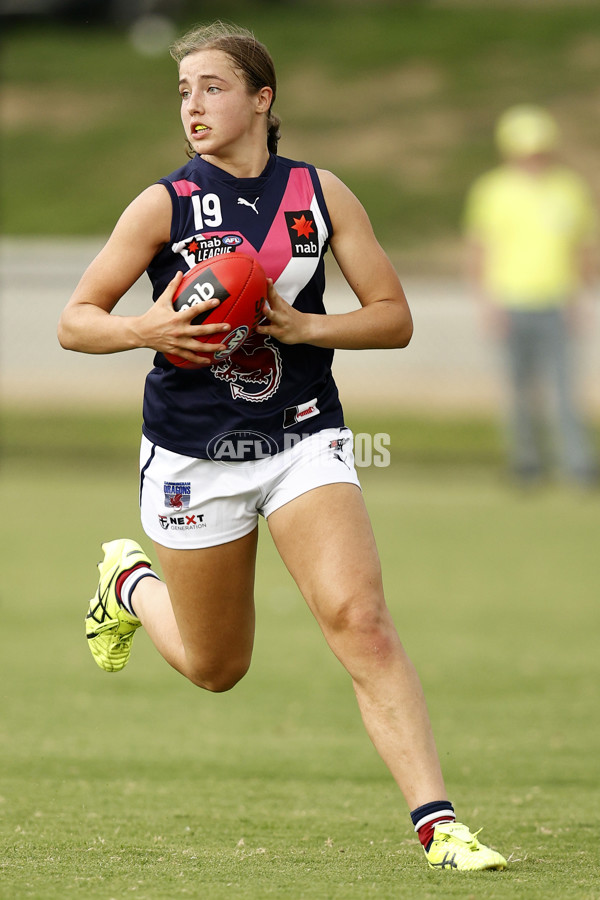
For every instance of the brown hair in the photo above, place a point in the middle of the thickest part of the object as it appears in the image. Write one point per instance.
(246, 53)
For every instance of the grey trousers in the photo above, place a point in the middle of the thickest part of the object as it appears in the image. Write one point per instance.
(544, 423)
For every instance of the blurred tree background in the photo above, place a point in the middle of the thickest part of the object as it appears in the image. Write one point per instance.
(398, 98)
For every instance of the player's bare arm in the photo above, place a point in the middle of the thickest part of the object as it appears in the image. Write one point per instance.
(87, 323)
(384, 319)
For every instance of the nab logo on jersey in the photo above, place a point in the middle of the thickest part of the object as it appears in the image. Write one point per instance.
(302, 232)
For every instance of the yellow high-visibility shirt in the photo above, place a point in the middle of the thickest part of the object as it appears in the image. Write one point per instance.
(532, 228)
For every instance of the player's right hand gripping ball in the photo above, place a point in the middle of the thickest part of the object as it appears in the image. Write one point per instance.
(238, 281)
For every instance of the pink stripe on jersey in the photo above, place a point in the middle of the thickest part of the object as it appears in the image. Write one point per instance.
(185, 188)
(299, 194)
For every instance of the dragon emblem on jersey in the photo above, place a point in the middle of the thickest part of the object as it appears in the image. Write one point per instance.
(253, 371)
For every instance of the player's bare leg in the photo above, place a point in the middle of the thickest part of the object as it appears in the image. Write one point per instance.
(326, 541)
(203, 624)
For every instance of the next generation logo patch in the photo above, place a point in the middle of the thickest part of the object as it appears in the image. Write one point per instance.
(182, 523)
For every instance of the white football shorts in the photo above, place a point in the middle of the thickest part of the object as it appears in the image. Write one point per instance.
(189, 503)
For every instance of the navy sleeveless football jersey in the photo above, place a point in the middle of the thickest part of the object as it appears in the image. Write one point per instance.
(265, 388)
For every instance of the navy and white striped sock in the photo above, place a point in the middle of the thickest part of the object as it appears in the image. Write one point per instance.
(426, 817)
(127, 583)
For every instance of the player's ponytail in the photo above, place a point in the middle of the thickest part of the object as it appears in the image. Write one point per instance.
(273, 132)
(248, 55)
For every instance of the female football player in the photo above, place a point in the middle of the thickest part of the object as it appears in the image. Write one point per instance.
(237, 194)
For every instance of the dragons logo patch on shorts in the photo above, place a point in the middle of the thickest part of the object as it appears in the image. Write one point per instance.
(177, 494)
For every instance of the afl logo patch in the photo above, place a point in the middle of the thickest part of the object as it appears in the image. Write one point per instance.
(232, 240)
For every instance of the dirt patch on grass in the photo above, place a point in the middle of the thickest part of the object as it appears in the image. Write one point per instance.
(584, 54)
(391, 121)
(408, 151)
(57, 109)
(367, 96)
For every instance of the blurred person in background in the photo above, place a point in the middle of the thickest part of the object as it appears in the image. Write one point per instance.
(530, 225)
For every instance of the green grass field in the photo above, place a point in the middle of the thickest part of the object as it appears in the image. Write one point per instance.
(141, 785)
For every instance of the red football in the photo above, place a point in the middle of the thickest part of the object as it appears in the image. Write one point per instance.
(239, 282)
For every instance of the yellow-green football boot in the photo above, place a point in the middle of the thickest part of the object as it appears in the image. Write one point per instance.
(109, 627)
(454, 847)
